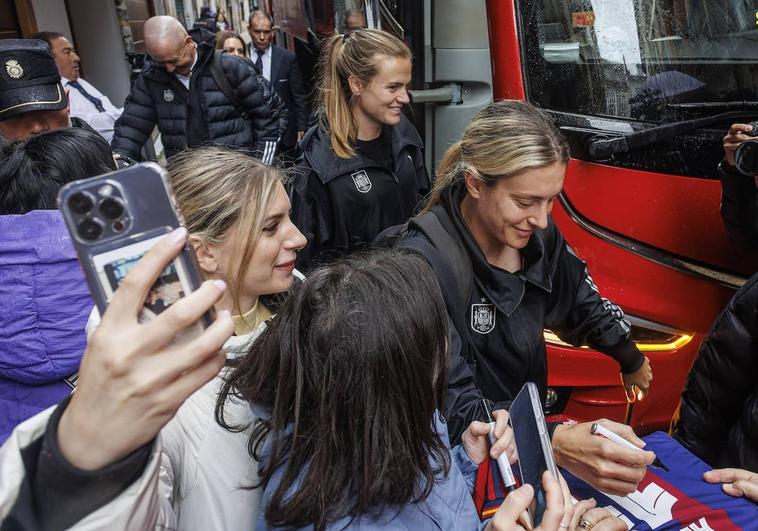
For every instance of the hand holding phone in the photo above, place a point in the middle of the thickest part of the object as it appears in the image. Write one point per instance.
(114, 219)
(507, 517)
(534, 448)
(132, 380)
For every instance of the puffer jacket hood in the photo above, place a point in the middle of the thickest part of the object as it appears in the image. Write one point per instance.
(45, 306)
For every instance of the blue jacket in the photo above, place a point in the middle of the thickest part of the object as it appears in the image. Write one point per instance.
(45, 305)
(449, 506)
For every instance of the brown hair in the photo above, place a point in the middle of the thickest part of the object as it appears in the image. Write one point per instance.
(221, 37)
(351, 54)
(504, 139)
(218, 189)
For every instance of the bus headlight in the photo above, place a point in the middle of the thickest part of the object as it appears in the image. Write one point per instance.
(647, 335)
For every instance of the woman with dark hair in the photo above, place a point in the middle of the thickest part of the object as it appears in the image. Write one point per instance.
(45, 298)
(362, 168)
(349, 380)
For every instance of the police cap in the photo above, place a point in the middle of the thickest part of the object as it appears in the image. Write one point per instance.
(29, 79)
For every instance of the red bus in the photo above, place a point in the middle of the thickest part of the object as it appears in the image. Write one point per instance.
(644, 90)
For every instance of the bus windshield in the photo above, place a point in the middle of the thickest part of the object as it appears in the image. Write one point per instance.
(647, 60)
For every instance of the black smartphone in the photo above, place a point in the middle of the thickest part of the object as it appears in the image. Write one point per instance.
(114, 219)
(533, 443)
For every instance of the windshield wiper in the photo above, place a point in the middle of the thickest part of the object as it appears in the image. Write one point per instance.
(601, 147)
(697, 105)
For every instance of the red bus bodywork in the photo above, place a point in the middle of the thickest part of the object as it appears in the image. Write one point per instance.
(616, 198)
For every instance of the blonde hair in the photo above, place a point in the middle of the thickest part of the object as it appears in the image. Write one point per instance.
(504, 139)
(350, 54)
(219, 189)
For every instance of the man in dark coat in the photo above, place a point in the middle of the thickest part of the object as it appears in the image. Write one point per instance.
(178, 93)
(280, 68)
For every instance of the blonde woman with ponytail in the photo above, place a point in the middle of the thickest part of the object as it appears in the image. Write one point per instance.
(362, 167)
(493, 196)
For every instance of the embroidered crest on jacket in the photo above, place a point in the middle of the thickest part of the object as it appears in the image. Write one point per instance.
(482, 318)
(362, 182)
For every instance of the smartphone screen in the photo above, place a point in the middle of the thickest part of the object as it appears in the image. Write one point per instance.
(533, 444)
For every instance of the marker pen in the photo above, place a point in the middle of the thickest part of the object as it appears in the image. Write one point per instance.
(502, 461)
(599, 429)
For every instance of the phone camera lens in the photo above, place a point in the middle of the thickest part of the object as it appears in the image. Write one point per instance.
(81, 202)
(118, 226)
(90, 229)
(112, 208)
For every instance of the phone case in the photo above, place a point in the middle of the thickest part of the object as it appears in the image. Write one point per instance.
(116, 218)
(533, 443)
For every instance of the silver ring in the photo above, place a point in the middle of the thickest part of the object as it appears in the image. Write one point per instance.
(565, 526)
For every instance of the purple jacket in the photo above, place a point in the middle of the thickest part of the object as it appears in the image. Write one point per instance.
(45, 305)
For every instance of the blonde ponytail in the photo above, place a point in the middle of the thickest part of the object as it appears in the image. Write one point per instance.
(354, 54)
(450, 169)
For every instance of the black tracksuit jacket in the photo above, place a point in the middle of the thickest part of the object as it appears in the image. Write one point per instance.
(503, 345)
(341, 205)
(202, 114)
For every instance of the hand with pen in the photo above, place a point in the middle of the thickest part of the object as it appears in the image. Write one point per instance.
(475, 439)
(604, 464)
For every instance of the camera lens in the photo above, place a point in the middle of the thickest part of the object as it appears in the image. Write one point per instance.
(81, 202)
(112, 208)
(746, 157)
(90, 229)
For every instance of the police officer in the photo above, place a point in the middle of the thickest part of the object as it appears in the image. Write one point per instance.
(32, 99)
(362, 169)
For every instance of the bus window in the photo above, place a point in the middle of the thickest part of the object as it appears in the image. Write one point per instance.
(640, 59)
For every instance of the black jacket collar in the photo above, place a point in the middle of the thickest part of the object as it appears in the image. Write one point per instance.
(327, 165)
(503, 288)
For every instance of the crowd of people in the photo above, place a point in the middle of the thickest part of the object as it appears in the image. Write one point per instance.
(365, 308)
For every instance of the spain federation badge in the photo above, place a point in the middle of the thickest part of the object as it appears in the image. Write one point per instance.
(168, 95)
(14, 69)
(482, 318)
(362, 182)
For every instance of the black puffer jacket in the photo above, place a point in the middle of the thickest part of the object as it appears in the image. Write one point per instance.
(203, 114)
(718, 415)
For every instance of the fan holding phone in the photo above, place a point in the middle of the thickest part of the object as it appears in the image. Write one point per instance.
(235, 211)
